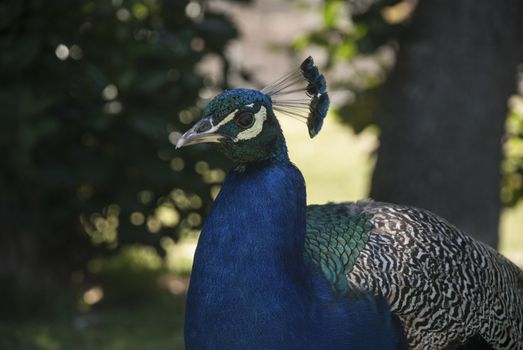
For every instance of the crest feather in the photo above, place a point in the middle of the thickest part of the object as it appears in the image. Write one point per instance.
(301, 94)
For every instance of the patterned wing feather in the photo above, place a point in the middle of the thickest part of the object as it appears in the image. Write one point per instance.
(334, 241)
(444, 286)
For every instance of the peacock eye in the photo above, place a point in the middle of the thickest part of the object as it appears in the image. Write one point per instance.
(245, 119)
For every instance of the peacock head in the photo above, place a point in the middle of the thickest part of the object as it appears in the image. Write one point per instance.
(243, 121)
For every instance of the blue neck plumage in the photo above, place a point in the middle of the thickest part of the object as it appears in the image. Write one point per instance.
(250, 253)
(281, 155)
(250, 217)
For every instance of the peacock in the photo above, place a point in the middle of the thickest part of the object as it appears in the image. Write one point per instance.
(271, 272)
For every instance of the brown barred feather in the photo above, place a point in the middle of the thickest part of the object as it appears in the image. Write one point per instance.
(445, 287)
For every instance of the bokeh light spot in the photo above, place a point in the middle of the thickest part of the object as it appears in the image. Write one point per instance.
(177, 164)
(140, 11)
(113, 107)
(153, 224)
(145, 196)
(123, 14)
(102, 228)
(110, 92)
(201, 167)
(193, 9)
(76, 52)
(180, 199)
(167, 215)
(93, 295)
(113, 210)
(196, 202)
(62, 52)
(194, 219)
(137, 218)
(185, 116)
(197, 44)
(213, 176)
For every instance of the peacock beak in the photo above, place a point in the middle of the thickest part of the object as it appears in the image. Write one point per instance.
(201, 132)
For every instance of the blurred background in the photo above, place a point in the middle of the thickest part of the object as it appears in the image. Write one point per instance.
(99, 214)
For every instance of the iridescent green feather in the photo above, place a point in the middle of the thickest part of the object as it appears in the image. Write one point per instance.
(335, 239)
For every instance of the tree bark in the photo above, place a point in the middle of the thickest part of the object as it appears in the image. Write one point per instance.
(444, 108)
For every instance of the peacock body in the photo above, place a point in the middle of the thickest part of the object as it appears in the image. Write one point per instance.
(445, 287)
(271, 273)
(251, 288)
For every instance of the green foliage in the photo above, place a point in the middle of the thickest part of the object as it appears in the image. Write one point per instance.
(91, 93)
(512, 166)
(360, 39)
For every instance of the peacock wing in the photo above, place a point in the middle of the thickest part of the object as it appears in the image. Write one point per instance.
(444, 286)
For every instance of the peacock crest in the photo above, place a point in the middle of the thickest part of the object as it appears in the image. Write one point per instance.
(288, 99)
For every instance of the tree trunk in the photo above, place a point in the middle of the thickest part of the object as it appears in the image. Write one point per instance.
(444, 109)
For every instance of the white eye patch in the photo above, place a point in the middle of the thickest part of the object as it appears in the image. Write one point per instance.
(225, 120)
(253, 131)
(256, 128)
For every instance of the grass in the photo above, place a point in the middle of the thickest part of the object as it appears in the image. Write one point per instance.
(155, 325)
(143, 307)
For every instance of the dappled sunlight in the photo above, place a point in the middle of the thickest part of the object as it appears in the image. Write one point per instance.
(399, 12)
(93, 295)
(103, 227)
(511, 240)
(130, 258)
(179, 256)
(176, 285)
(512, 185)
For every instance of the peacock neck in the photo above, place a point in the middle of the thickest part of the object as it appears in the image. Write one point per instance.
(260, 152)
(249, 268)
(280, 154)
(258, 218)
